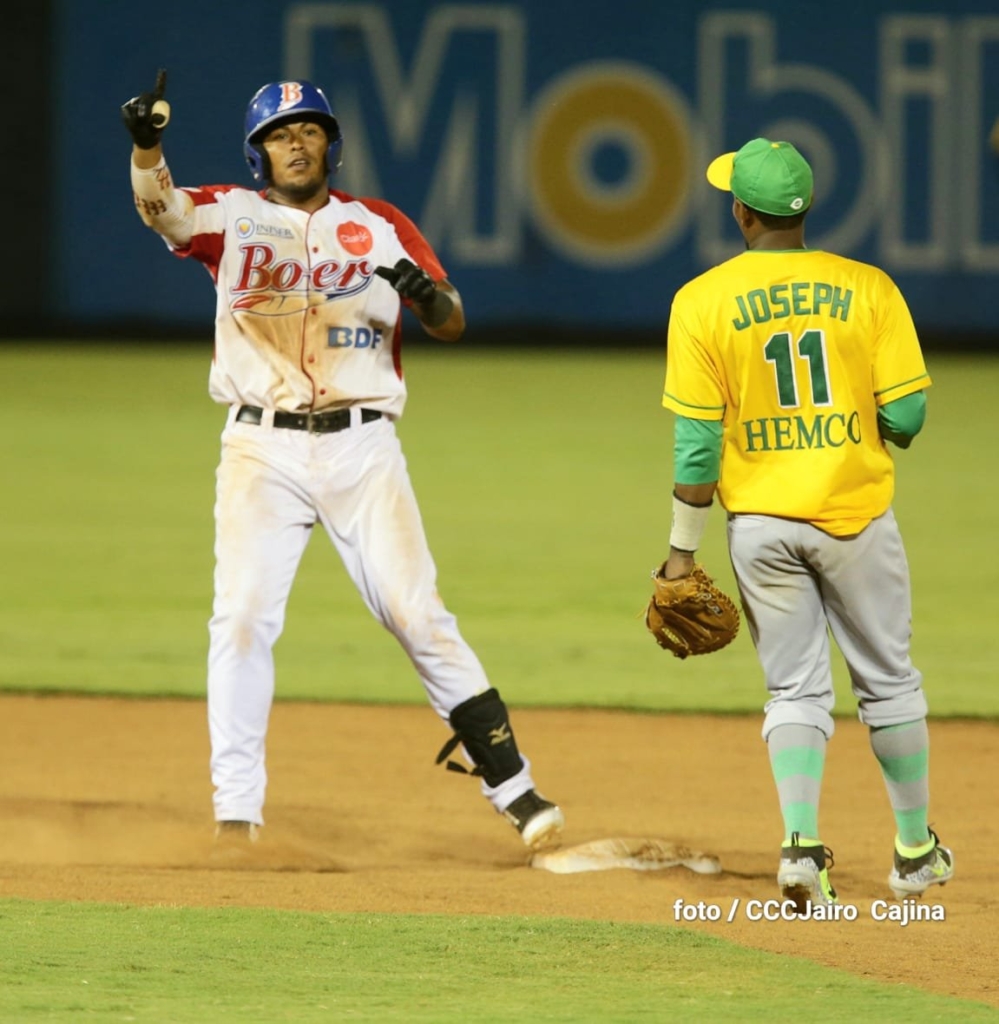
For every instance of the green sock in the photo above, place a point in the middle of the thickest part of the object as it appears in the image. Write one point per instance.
(797, 759)
(903, 751)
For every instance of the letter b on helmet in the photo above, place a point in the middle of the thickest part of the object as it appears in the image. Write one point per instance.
(287, 102)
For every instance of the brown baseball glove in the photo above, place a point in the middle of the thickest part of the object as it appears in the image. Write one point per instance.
(690, 615)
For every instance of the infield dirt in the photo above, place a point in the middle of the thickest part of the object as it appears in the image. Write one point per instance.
(109, 800)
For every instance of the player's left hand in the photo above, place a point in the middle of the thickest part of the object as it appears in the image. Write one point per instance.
(410, 281)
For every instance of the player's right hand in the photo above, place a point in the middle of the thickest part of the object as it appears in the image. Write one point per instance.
(147, 114)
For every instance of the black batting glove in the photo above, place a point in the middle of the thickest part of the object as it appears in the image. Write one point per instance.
(410, 281)
(145, 124)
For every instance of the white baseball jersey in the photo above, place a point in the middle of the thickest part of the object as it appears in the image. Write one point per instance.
(302, 321)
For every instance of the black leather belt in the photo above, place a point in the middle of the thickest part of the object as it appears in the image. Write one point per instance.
(314, 422)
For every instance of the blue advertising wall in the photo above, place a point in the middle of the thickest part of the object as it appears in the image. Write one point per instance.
(553, 151)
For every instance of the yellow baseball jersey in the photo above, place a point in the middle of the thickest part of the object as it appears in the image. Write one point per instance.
(794, 351)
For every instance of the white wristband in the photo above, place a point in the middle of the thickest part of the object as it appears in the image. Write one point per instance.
(161, 206)
(688, 525)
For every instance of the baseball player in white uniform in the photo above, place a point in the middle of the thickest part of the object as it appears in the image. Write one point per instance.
(311, 284)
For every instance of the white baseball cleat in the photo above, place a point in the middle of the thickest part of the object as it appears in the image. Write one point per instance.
(912, 876)
(803, 874)
(539, 821)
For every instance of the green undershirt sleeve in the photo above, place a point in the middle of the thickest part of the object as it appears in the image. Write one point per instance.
(901, 420)
(697, 446)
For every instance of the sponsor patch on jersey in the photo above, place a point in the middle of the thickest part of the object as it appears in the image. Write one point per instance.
(246, 228)
(354, 337)
(354, 237)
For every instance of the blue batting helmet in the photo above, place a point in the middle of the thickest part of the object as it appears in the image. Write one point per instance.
(288, 101)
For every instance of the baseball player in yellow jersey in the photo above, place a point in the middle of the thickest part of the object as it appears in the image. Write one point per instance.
(788, 369)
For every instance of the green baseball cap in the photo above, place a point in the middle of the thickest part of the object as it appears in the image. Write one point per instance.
(772, 177)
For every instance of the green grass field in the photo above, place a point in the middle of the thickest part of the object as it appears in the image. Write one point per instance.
(544, 480)
(71, 961)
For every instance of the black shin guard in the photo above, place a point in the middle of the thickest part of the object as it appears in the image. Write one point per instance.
(482, 726)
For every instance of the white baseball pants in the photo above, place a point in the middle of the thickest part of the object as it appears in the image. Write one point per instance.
(273, 485)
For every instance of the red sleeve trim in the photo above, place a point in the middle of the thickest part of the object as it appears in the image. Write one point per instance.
(206, 248)
(205, 194)
(408, 233)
